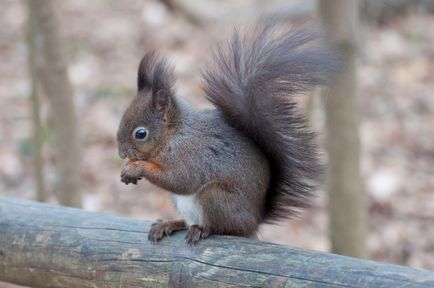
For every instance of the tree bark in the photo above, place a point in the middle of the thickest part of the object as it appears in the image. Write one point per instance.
(60, 95)
(347, 208)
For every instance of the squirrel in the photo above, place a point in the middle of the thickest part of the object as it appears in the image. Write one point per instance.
(251, 159)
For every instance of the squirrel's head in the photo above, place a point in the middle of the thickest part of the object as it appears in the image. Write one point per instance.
(152, 114)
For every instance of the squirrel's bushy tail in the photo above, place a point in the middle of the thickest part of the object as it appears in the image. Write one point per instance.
(253, 83)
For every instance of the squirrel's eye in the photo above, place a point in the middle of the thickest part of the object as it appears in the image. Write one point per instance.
(140, 133)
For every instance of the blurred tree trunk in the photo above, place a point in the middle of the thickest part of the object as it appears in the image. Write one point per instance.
(347, 208)
(33, 36)
(59, 92)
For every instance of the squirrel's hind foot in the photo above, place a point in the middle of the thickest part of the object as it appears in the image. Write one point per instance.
(195, 233)
(161, 228)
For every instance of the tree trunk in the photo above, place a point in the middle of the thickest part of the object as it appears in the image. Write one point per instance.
(347, 208)
(60, 96)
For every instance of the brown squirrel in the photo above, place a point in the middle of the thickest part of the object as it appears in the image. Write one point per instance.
(249, 161)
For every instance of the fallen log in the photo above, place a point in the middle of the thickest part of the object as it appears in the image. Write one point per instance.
(44, 245)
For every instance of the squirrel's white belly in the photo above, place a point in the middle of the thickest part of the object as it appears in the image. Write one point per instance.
(188, 207)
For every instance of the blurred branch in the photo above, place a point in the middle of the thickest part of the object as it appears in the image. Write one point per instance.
(381, 11)
(177, 7)
(33, 60)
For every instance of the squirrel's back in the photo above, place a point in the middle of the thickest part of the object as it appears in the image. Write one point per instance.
(253, 82)
(210, 142)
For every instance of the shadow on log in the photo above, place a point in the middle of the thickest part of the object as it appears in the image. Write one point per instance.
(52, 246)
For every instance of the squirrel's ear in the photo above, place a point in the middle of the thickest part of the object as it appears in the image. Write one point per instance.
(157, 76)
(161, 103)
(162, 86)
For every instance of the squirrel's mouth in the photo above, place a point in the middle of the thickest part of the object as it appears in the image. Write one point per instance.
(136, 156)
(137, 159)
(130, 154)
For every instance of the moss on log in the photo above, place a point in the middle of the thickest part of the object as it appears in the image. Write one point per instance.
(52, 246)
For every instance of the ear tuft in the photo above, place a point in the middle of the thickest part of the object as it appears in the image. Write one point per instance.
(144, 75)
(163, 78)
(154, 73)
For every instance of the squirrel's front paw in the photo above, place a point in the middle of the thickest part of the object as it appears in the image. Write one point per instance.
(131, 173)
(127, 179)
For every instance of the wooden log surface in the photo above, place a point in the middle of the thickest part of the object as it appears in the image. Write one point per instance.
(44, 245)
